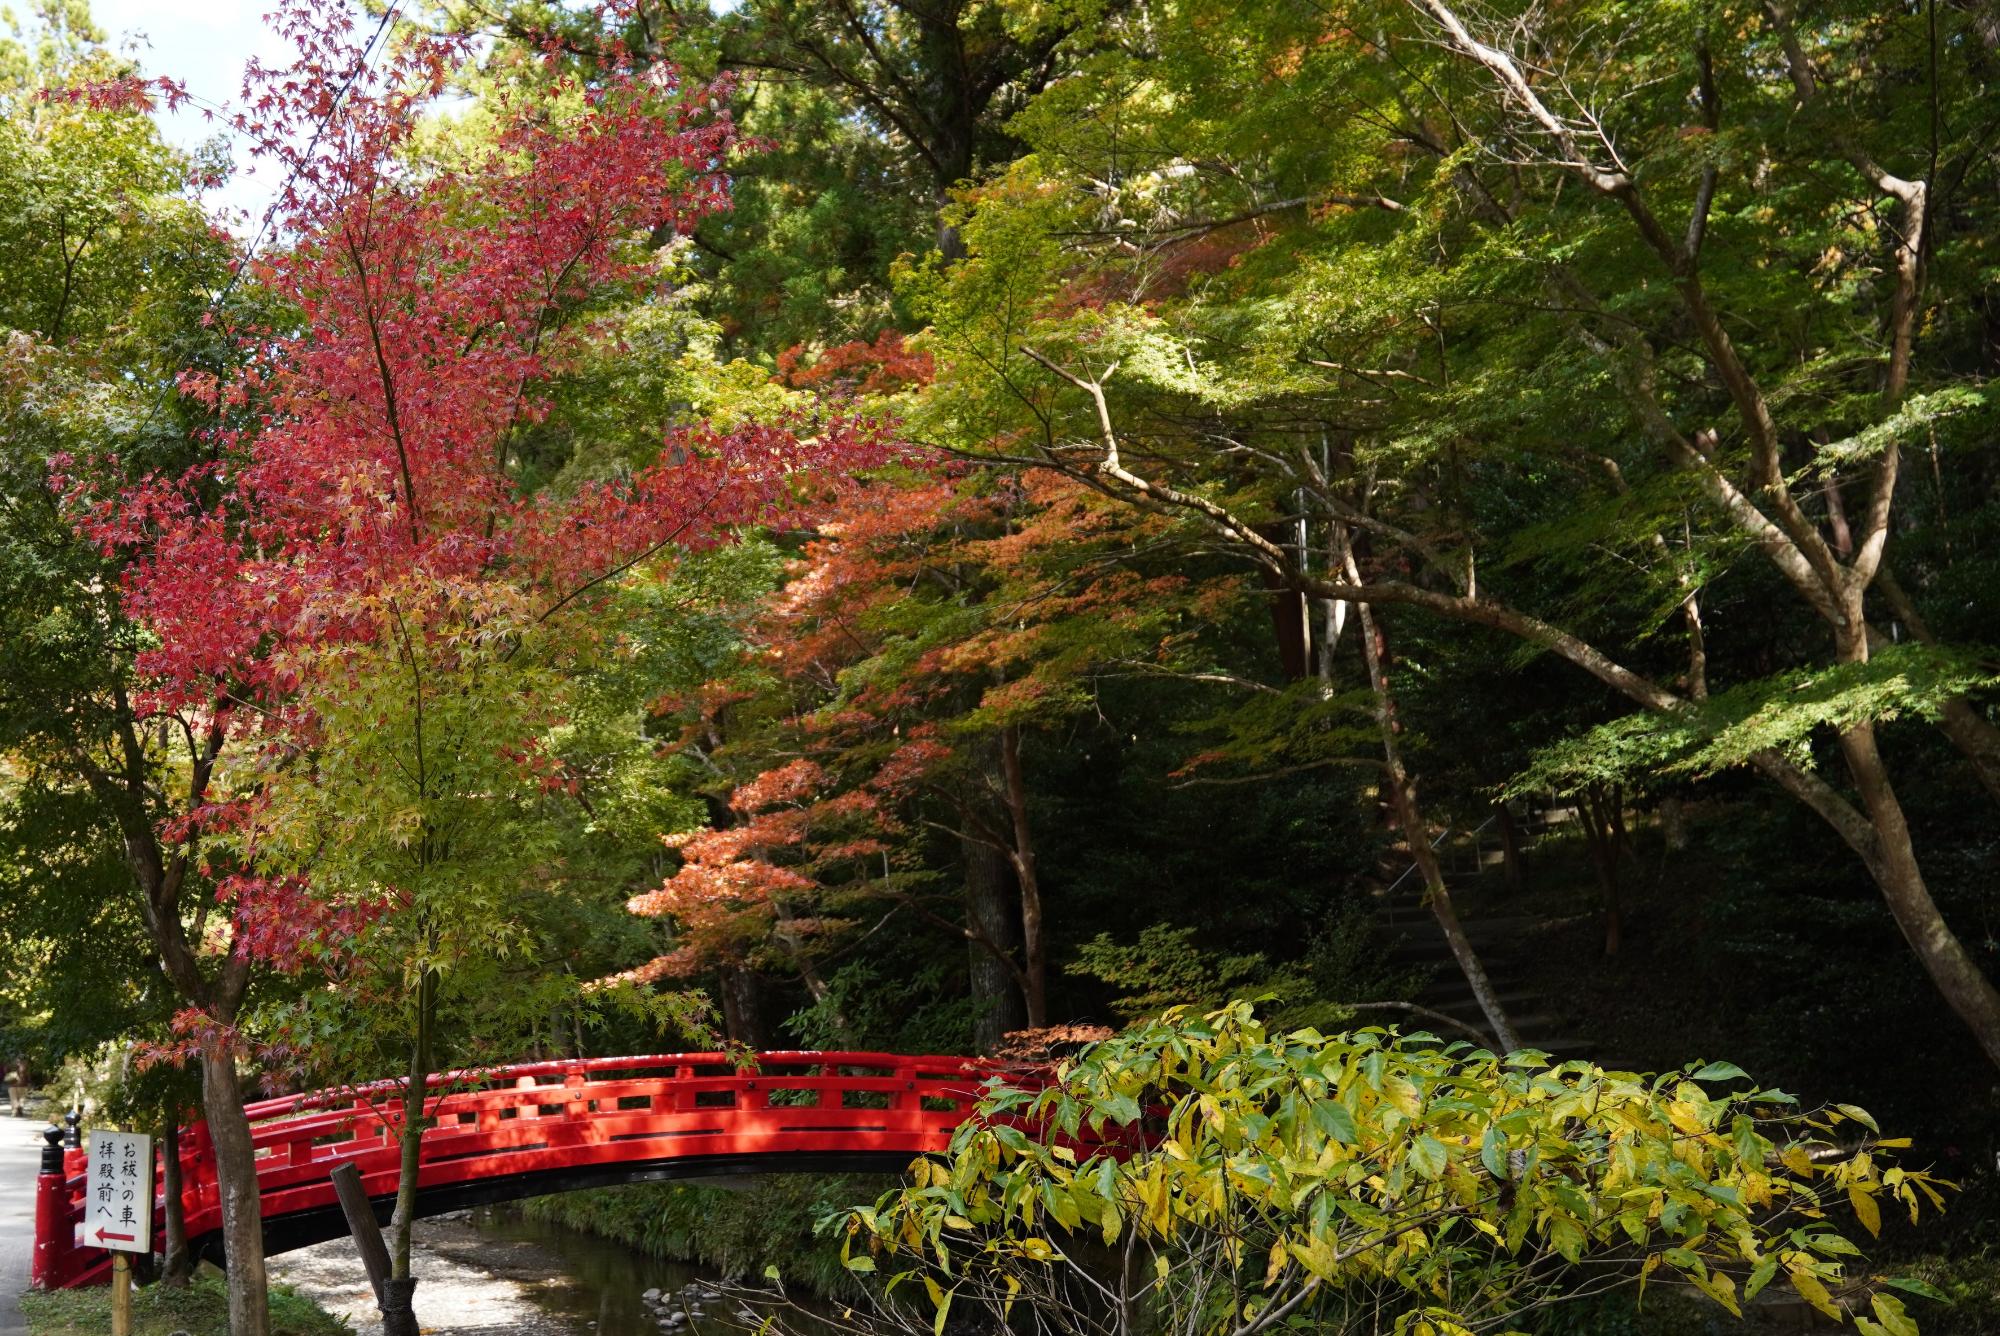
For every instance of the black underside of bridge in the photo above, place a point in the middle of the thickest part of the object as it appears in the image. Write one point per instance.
(302, 1229)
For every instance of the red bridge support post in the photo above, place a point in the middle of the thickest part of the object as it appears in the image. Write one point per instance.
(55, 1241)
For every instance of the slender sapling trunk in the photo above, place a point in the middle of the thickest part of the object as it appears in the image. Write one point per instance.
(1403, 796)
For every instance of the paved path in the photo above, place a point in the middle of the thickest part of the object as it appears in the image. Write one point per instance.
(20, 1161)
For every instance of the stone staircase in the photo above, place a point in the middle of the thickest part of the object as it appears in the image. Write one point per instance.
(1413, 942)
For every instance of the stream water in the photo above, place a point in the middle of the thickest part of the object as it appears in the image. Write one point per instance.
(596, 1287)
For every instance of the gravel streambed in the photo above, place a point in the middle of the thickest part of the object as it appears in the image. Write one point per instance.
(468, 1284)
(493, 1272)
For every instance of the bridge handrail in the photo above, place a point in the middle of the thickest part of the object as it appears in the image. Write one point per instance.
(473, 1077)
(270, 1116)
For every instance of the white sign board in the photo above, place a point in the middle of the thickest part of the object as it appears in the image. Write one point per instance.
(118, 1198)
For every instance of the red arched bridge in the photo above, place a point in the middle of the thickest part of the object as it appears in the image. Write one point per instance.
(504, 1133)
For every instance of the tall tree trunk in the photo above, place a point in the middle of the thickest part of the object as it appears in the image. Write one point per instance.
(736, 985)
(236, 1175)
(1034, 944)
(1893, 860)
(799, 949)
(955, 123)
(994, 926)
(177, 1264)
(1403, 796)
(1291, 626)
(951, 246)
(742, 1010)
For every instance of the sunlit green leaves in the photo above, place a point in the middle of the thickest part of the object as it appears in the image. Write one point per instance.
(1781, 713)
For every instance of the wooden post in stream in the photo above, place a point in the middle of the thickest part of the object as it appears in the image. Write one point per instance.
(392, 1296)
(361, 1224)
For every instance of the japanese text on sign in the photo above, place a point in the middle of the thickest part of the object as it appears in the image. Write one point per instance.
(118, 1196)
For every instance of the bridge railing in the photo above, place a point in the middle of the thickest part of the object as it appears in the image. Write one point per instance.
(537, 1120)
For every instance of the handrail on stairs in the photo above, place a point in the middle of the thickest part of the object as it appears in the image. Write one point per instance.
(1443, 835)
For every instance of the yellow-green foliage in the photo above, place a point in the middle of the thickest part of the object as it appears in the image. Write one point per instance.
(1372, 1182)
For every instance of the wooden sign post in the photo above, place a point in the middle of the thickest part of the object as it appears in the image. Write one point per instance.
(121, 1295)
(118, 1211)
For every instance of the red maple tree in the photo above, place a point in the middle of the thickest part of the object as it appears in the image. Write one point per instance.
(932, 617)
(368, 445)
(363, 445)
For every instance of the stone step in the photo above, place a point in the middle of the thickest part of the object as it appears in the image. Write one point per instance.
(1417, 919)
(1454, 994)
(1442, 967)
(1526, 1021)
